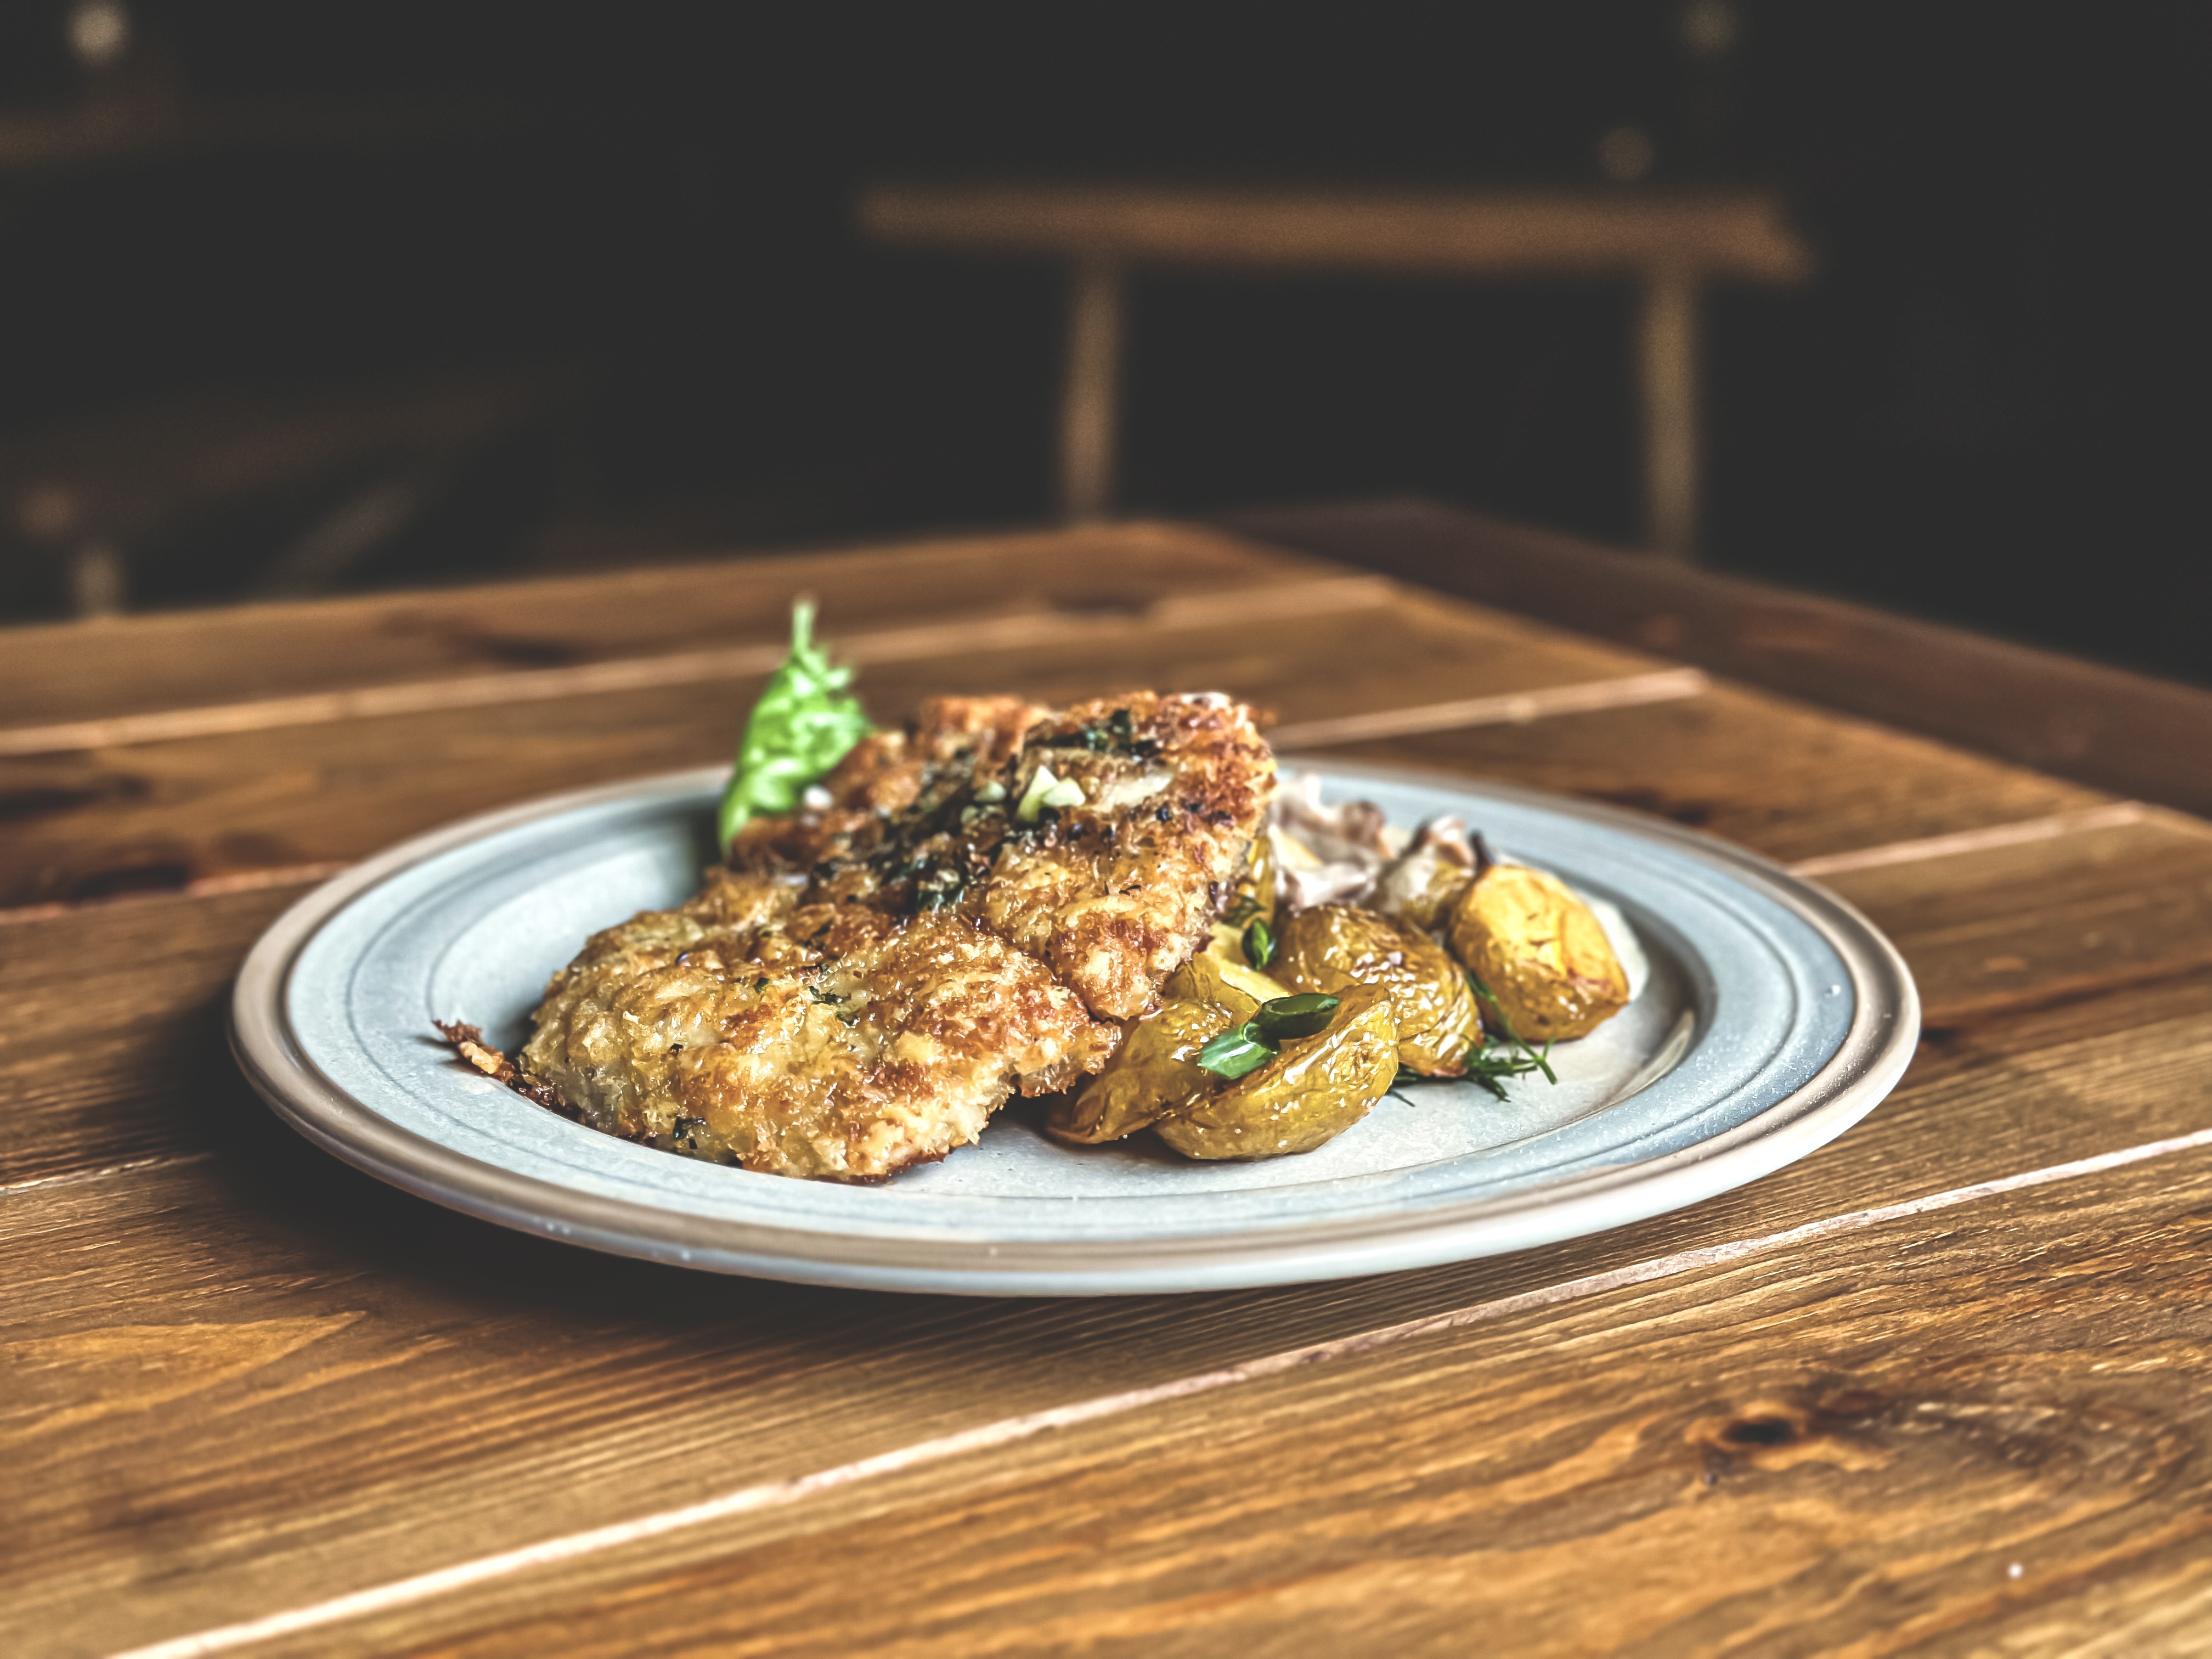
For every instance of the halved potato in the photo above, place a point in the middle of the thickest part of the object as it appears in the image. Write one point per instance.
(1312, 1091)
(1540, 953)
(1154, 1070)
(1333, 946)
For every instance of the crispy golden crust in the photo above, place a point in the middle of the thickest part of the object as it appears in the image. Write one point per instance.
(869, 981)
(1113, 894)
(832, 1042)
(890, 794)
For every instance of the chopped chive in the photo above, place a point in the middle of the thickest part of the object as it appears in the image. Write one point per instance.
(1235, 1053)
(1259, 942)
(1307, 1014)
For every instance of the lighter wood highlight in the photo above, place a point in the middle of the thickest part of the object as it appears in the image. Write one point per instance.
(1007, 1431)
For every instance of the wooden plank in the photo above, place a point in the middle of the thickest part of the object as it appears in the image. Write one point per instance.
(2043, 921)
(2127, 732)
(160, 815)
(82, 671)
(1764, 771)
(111, 1022)
(188, 1339)
(1757, 769)
(1252, 607)
(1982, 1431)
(1491, 233)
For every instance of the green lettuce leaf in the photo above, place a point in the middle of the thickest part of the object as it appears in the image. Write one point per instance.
(804, 723)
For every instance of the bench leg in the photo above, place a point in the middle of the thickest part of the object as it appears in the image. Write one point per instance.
(1088, 411)
(1669, 349)
(99, 582)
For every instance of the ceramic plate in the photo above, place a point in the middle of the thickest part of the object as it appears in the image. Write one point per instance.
(1767, 1017)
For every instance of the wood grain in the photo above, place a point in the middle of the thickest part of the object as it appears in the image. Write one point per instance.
(1764, 771)
(1846, 1451)
(82, 671)
(158, 815)
(112, 1031)
(2044, 921)
(457, 1388)
(1254, 608)
(240, 1378)
(2104, 726)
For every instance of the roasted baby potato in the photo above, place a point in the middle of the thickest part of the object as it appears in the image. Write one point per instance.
(1312, 1091)
(1540, 953)
(1154, 1070)
(1334, 946)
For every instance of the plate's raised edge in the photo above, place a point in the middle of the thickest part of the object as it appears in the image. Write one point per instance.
(1866, 1066)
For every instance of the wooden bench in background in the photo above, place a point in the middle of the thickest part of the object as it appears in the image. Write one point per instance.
(1670, 244)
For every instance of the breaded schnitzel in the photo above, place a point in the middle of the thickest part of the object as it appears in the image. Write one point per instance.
(1114, 891)
(960, 910)
(822, 1039)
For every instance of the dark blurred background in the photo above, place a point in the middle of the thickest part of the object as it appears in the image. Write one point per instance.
(304, 299)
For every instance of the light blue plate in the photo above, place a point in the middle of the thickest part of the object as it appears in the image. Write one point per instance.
(1767, 1017)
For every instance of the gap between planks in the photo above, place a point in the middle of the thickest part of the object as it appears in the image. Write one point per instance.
(694, 667)
(1514, 708)
(421, 1587)
(2018, 833)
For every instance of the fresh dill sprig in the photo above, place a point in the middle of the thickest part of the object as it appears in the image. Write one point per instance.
(1491, 1069)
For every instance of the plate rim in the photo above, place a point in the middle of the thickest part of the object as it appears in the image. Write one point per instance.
(1873, 1054)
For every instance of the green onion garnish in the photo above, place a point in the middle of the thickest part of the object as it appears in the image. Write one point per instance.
(1303, 1015)
(1235, 1053)
(1245, 1049)
(1045, 790)
(1259, 942)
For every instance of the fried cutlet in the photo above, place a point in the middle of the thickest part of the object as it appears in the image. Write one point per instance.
(1114, 893)
(938, 926)
(835, 1042)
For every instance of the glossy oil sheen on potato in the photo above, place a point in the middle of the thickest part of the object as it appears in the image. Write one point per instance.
(1540, 951)
(1153, 1073)
(1333, 946)
(1311, 1092)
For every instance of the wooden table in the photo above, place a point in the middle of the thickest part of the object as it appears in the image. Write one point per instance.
(1941, 1385)
(1671, 244)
